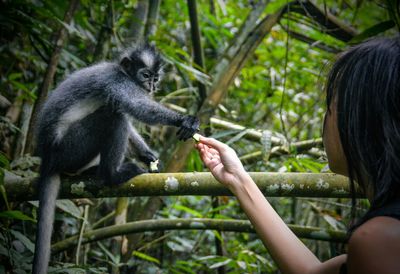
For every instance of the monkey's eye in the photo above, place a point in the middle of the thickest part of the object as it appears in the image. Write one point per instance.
(146, 75)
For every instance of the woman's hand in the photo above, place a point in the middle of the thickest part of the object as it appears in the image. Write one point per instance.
(222, 161)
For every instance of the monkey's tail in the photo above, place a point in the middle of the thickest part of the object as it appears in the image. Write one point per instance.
(48, 191)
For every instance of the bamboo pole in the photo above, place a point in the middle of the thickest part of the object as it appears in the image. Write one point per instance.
(59, 41)
(192, 183)
(152, 18)
(245, 226)
(198, 55)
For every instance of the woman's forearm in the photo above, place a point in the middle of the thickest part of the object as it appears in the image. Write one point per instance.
(291, 255)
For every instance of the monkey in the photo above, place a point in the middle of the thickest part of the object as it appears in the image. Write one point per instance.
(86, 117)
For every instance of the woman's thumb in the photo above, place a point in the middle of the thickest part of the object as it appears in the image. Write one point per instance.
(213, 143)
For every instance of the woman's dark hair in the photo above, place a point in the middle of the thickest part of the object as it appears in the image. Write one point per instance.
(365, 84)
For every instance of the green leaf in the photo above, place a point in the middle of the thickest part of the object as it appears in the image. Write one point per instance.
(3, 251)
(188, 210)
(14, 76)
(218, 235)
(219, 264)
(4, 162)
(3, 189)
(16, 214)
(145, 257)
(69, 207)
(65, 205)
(210, 257)
(24, 240)
(114, 258)
(176, 247)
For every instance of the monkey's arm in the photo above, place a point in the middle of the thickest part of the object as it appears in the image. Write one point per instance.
(142, 150)
(150, 112)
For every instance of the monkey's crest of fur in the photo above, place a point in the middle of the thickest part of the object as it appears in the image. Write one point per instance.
(146, 53)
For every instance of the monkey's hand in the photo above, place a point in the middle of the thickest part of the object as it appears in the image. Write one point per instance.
(190, 125)
(151, 161)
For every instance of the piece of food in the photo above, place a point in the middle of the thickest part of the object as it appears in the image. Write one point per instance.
(196, 137)
(154, 165)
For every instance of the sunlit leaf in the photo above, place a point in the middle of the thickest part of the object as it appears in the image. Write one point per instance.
(145, 257)
(16, 214)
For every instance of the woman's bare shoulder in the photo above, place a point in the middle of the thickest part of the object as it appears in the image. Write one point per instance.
(374, 247)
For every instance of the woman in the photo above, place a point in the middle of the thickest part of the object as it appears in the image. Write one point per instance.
(362, 141)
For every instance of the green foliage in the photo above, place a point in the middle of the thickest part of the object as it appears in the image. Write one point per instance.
(15, 214)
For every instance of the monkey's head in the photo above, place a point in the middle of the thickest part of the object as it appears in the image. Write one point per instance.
(144, 65)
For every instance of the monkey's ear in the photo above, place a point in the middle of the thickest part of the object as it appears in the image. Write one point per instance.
(125, 63)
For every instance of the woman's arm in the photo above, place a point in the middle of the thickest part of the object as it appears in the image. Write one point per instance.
(290, 254)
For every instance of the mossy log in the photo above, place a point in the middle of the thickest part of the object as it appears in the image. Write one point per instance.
(192, 183)
(314, 233)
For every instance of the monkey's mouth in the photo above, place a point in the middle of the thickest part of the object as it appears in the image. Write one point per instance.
(151, 88)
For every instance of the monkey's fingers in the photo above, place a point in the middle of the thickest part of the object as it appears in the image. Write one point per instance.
(189, 133)
(179, 133)
(183, 134)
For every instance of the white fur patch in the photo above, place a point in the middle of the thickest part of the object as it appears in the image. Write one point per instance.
(147, 58)
(94, 162)
(75, 113)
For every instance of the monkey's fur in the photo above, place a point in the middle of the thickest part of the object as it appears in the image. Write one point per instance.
(87, 116)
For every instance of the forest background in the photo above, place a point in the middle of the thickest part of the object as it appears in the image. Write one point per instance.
(253, 71)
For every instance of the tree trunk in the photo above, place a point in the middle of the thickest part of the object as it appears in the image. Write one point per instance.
(139, 21)
(197, 48)
(59, 41)
(105, 33)
(152, 18)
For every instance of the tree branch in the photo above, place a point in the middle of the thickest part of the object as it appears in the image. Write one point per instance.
(312, 42)
(314, 233)
(191, 183)
(332, 25)
(299, 147)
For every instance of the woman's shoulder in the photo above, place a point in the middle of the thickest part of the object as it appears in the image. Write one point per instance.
(374, 246)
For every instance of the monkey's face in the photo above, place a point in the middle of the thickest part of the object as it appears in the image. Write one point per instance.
(148, 79)
(145, 66)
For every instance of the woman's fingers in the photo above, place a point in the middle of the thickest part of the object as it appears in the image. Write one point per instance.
(212, 143)
(213, 151)
(205, 154)
(208, 153)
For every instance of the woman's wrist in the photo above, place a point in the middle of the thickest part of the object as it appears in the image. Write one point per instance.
(242, 179)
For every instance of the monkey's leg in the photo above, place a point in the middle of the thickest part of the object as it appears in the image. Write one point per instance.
(141, 149)
(81, 144)
(112, 154)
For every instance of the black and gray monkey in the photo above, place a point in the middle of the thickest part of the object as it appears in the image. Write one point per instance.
(87, 116)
